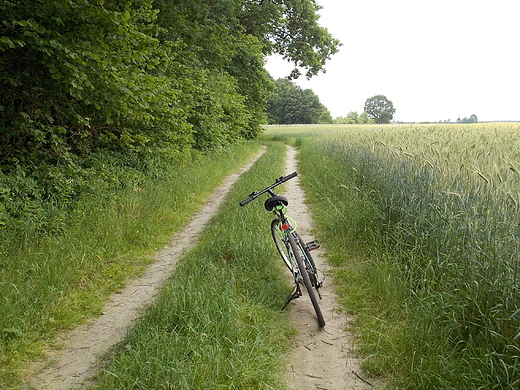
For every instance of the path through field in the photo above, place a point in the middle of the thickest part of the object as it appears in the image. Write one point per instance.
(321, 359)
(76, 364)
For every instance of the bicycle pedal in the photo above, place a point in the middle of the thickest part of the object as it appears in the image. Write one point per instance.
(313, 245)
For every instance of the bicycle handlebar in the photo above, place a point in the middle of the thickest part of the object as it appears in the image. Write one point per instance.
(256, 194)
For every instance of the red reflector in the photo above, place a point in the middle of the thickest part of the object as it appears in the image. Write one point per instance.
(285, 226)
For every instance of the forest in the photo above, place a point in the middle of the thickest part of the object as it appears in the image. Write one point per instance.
(96, 94)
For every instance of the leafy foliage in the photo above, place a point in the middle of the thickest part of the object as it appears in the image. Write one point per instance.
(380, 109)
(354, 118)
(131, 81)
(290, 104)
(290, 28)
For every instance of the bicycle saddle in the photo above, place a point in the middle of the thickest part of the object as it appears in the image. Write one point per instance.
(275, 201)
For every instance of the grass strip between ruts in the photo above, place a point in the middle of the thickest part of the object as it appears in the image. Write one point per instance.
(217, 323)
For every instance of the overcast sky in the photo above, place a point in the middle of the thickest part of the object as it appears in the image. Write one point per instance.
(435, 60)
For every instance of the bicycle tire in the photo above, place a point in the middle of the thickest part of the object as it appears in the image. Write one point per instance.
(280, 244)
(303, 247)
(310, 265)
(306, 280)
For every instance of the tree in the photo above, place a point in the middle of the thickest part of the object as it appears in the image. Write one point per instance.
(290, 28)
(471, 119)
(290, 104)
(365, 119)
(275, 106)
(354, 118)
(380, 109)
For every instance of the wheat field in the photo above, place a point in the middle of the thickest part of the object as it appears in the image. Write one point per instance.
(435, 211)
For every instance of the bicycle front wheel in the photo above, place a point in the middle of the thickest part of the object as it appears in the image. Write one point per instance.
(306, 281)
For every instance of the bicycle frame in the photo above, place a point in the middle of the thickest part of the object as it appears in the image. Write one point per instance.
(287, 227)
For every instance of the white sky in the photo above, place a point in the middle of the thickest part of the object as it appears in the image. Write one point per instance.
(435, 60)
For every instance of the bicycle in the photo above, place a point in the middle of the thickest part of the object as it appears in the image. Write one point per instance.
(295, 253)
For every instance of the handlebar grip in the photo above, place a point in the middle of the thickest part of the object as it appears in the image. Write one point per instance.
(246, 201)
(252, 196)
(283, 179)
(290, 176)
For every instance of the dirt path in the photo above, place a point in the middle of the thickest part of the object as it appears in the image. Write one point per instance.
(322, 358)
(78, 361)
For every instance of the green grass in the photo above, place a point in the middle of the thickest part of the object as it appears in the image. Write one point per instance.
(55, 281)
(421, 223)
(217, 323)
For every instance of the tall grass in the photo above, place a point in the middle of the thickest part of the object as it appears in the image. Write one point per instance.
(217, 323)
(51, 282)
(422, 223)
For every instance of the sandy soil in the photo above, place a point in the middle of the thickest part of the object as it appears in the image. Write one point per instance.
(321, 359)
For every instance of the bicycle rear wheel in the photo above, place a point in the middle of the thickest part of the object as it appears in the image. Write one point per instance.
(306, 281)
(310, 266)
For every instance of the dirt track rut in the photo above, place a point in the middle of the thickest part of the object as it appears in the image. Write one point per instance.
(321, 358)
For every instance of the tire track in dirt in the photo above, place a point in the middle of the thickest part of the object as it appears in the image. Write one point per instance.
(75, 365)
(322, 358)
